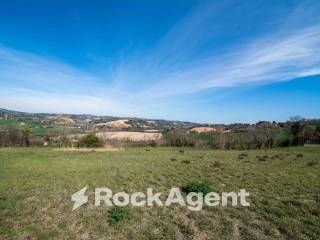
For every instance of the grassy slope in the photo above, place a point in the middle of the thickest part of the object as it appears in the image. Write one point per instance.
(6, 123)
(37, 128)
(36, 185)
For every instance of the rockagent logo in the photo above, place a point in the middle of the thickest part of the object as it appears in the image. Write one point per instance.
(193, 201)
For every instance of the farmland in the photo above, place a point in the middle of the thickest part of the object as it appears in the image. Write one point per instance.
(37, 183)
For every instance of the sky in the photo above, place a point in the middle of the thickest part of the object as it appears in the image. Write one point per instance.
(200, 61)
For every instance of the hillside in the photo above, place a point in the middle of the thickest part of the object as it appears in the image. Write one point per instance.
(95, 122)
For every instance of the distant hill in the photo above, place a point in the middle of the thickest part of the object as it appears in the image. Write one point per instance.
(98, 121)
(89, 122)
(4, 112)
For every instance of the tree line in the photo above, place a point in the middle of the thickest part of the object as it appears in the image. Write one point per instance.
(293, 133)
(262, 135)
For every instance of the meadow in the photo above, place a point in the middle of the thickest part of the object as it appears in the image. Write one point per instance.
(36, 185)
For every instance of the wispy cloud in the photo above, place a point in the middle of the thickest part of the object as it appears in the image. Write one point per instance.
(26, 69)
(39, 101)
(182, 64)
(36, 83)
(278, 57)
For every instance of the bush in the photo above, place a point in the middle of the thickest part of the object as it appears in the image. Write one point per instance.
(242, 155)
(91, 140)
(11, 136)
(200, 143)
(37, 141)
(312, 163)
(262, 158)
(297, 129)
(196, 186)
(284, 139)
(178, 138)
(186, 229)
(216, 164)
(117, 214)
(26, 132)
(185, 161)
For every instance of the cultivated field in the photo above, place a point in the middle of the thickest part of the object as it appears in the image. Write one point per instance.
(130, 136)
(37, 183)
(124, 136)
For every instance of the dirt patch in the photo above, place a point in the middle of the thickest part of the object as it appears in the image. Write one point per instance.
(62, 120)
(118, 124)
(202, 129)
(131, 136)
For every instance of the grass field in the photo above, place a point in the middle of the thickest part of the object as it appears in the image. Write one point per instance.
(37, 128)
(36, 186)
(6, 123)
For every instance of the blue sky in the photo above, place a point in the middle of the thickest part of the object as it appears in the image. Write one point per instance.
(203, 61)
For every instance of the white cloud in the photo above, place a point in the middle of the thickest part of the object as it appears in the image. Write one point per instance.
(271, 59)
(26, 69)
(38, 84)
(35, 101)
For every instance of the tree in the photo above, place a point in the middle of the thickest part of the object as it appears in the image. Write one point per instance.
(178, 138)
(26, 132)
(90, 140)
(297, 128)
(64, 138)
(296, 118)
(10, 137)
(284, 138)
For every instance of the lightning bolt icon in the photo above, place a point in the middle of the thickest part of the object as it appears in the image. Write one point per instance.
(79, 198)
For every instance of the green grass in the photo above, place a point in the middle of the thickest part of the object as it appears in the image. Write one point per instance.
(55, 131)
(36, 186)
(19, 122)
(9, 122)
(37, 129)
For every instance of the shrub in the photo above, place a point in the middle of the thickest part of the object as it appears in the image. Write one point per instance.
(312, 163)
(284, 139)
(200, 143)
(186, 229)
(196, 186)
(26, 132)
(10, 137)
(37, 141)
(178, 138)
(262, 158)
(91, 140)
(117, 214)
(297, 128)
(216, 164)
(300, 155)
(185, 161)
(243, 155)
